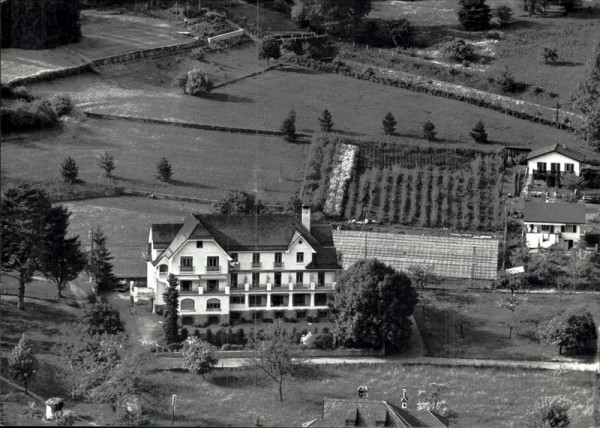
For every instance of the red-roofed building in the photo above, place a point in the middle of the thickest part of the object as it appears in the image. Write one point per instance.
(548, 224)
(233, 267)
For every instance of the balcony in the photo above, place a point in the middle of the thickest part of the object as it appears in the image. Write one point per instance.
(213, 268)
(278, 265)
(163, 274)
(186, 268)
(542, 174)
(257, 305)
(213, 309)
(191, 292)
(256, 265)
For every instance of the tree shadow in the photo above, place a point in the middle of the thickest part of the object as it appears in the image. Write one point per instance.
(226, 98)
(299, 70)
(564, 64)
(190, 184)
(525, 25)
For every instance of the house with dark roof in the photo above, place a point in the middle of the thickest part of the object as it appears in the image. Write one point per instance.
(548, 163)
(234, 267)
(548, 224)
(373, 413)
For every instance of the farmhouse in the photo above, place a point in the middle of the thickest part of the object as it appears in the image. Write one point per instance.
(549, 162)
(372, 413)
(548, 224)
(233, 267)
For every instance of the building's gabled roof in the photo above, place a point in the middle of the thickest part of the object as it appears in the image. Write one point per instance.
(540, 212)
(163, 234)
(558, 148)
(362, 412)
(263, 232)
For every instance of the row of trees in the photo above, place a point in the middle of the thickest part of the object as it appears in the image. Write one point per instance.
(34, 239)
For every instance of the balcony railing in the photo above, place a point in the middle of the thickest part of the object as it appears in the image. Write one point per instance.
(256, 265)
(257, 305)
(213, 268)
(188, 292)
(542, 174)
(214, 291)
(279, 304)
(186, 268)
(162, 274)
(213, 309)
(277, 264)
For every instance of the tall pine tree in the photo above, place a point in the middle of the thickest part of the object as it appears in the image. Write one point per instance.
(62, 260)
(171, 311)
(100, 266)
(389, 124)
(479, 134)
(325, 121)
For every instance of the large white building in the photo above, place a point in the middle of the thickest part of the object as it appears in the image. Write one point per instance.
(549, 163)
(549, 224)
(233, 267)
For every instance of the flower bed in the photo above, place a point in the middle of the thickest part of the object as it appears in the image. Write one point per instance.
(342, 171)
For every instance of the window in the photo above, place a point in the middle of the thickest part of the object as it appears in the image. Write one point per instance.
(541, 166)
(188, 305)
(554, 167)
(213, 305)
(234, 280)
(198, 244)
(321, 279)
(254, 301)
(185, 264)
(277, 301)
(545, 228)
(212, 284)
(212, 263)
(299, 300)
(278, 259)
(277, 276)
(299, 257)
(237, 300)
(299, 278)
(234, 256)
(255, 257)
(322, 315)
(186, 285)
(163, 268)
(569, 167)
(187, 320)
(255, 279)
(320, 299)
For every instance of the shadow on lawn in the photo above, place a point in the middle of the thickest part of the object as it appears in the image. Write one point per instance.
(217, 96)
(564, 64)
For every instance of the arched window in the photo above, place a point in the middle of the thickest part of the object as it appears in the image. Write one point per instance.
(213, 305)
(188, 305)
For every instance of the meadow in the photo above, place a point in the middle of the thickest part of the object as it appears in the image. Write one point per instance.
(442, 315)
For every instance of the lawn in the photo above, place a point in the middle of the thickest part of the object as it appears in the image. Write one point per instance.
(205, 163)
(263, 102)
(102, 35)
(441, 313)
(481, 397)
(519, 50)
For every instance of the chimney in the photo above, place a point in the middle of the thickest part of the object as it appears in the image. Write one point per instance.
(306, 217)
(404, 400)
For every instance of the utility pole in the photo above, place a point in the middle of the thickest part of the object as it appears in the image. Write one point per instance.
(505, 211)
(557, 109)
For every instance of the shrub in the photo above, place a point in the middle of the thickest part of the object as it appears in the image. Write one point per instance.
(551, 412)
(288, 127)
(165, 172)
(323, 341)
(479, 134)
(459, 50)
(474, 15)
(429, 131)
(493, 35)
(389, 124)
(197, 54)
(64, 418)
(198, 83)
(549, 54)
(69, 170)
(506, 82)
(503, 14)
(62, 104)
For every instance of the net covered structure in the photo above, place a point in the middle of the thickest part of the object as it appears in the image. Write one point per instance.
(450, 256)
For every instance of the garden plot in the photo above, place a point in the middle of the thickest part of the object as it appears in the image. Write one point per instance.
(205, 164)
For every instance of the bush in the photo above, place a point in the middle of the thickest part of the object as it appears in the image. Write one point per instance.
(459, 50)
(474, 15)
(429, 131)
(324, 341)
(165, 172)
(62, 104)
(506, 82)
(197, 83)
(69, 170)
(386, 33)
(64, 418)
(197, 54)
(493, 35)
(503, 14)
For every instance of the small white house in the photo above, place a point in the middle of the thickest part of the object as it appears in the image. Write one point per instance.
(548, 163)
(548, 224)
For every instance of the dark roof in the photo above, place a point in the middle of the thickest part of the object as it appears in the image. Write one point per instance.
(554, 213)
(361, 412)
(558, 148)
(252, 232)
(164, 233)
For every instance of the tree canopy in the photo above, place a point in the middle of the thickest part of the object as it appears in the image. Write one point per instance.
(331, 16)
(239, 202)
(269, 48)
(371, 306)
(102, 318)
(171, 311)
(22, 363)
(199, 356)
(587, 101)
(474, 15)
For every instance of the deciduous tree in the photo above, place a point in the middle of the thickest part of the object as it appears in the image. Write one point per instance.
(429, 131)
(474, 15)
(23, 218)
(549, 54)
(331, 16)
(269, 48)
(423, 276)
(199, 356)
(62, 259)
(102, 318)
(371, 305)
(107, 163)
(171, 311)
(503, 14)
(551, 412)
(197, 83)
(571, 181)
(22, 363)
(239, 202)
(433, 400)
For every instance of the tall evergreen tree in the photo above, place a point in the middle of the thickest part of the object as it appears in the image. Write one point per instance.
(587, 101)
(325, 121)
(389, 124)
(171, 311)
(62, 259)
(69, 170)
(100, 266)
(22, 363)
(478, 134)
(107, 163)
(23, 221)
(164, 170)
(288, 127)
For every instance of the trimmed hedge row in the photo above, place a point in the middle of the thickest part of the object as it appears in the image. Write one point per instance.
(370, 75)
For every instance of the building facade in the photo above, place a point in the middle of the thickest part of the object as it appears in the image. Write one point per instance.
(549, 163)
(244, 267)
(549, 224)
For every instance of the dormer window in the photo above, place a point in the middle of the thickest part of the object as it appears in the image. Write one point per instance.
(299, 257)
(163, 269)
(199, 244)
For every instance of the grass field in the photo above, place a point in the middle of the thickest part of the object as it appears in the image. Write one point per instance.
(519, 50)
(481, 397)
(102, 35)
(485, 325)
(205, 164)
(263, 102)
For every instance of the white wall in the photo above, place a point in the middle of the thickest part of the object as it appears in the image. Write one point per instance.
(550, 158)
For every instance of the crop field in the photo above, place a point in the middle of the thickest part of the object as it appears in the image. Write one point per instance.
(442, 314)
(126, 222)
(205, 163)
(519, 49)
(263, 102)
(480, 397)
(102, 35)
